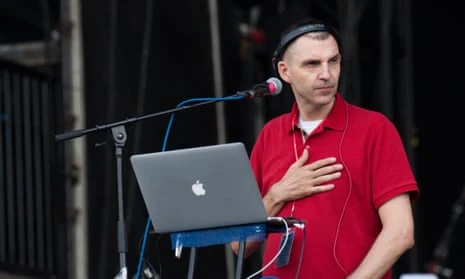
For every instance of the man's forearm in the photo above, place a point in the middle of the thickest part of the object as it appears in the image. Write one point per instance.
(250, 247)
(384, 253)
(272, 207)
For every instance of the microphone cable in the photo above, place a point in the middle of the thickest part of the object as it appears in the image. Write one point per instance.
(286, 227)
(147, 225)
(288, 222)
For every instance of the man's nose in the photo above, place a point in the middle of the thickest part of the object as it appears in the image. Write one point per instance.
(325, 73)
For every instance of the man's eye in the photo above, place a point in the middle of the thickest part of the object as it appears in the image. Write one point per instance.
(335, 59)
(313, 63)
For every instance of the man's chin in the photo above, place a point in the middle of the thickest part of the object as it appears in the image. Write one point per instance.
(326, 97)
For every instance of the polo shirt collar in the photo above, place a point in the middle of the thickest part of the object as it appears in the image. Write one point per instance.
(335, 120)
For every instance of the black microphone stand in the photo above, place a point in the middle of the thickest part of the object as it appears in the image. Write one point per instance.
(119, 137)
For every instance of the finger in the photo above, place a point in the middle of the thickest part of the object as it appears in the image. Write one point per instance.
(325, 178)
(328, 169)
(321, 163)
(302, 159)
(322, 188)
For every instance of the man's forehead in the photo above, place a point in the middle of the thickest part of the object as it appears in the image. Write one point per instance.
(313, 48)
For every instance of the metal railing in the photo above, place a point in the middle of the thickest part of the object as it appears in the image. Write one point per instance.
(32, 231)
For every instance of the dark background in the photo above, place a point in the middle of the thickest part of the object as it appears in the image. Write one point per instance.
(178, 67)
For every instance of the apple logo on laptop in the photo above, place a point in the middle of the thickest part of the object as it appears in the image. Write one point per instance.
(198, 189)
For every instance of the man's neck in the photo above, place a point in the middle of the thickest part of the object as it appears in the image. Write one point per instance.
(311, 112)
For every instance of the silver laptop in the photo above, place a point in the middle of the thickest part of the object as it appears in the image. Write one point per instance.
(199, 188)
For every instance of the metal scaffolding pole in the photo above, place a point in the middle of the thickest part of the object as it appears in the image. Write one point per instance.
(73, 91)
(218, 87)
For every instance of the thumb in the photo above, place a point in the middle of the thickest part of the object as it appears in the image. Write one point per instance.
(302, 159)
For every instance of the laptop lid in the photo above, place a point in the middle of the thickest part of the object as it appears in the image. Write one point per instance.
(199, 188)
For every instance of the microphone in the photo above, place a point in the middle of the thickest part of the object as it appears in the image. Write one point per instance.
(270, 87)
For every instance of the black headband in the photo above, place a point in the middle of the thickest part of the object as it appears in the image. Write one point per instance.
(297, 32)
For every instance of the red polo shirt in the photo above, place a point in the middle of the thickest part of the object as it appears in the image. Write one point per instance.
(341, 224)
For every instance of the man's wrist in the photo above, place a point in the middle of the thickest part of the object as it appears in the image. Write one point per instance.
(273, 202)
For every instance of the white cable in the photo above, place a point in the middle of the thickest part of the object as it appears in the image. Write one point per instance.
(279, 251)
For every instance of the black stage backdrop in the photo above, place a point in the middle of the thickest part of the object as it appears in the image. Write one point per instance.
(440, 98)
(179, 67)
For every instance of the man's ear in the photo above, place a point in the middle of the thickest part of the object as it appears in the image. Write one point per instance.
(283, 70)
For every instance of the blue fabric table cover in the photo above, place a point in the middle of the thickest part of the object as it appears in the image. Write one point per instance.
(201, 238)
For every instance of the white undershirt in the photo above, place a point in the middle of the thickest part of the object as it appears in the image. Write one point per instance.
(308, 126)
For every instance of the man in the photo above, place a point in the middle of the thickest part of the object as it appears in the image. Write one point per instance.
(339, 168)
